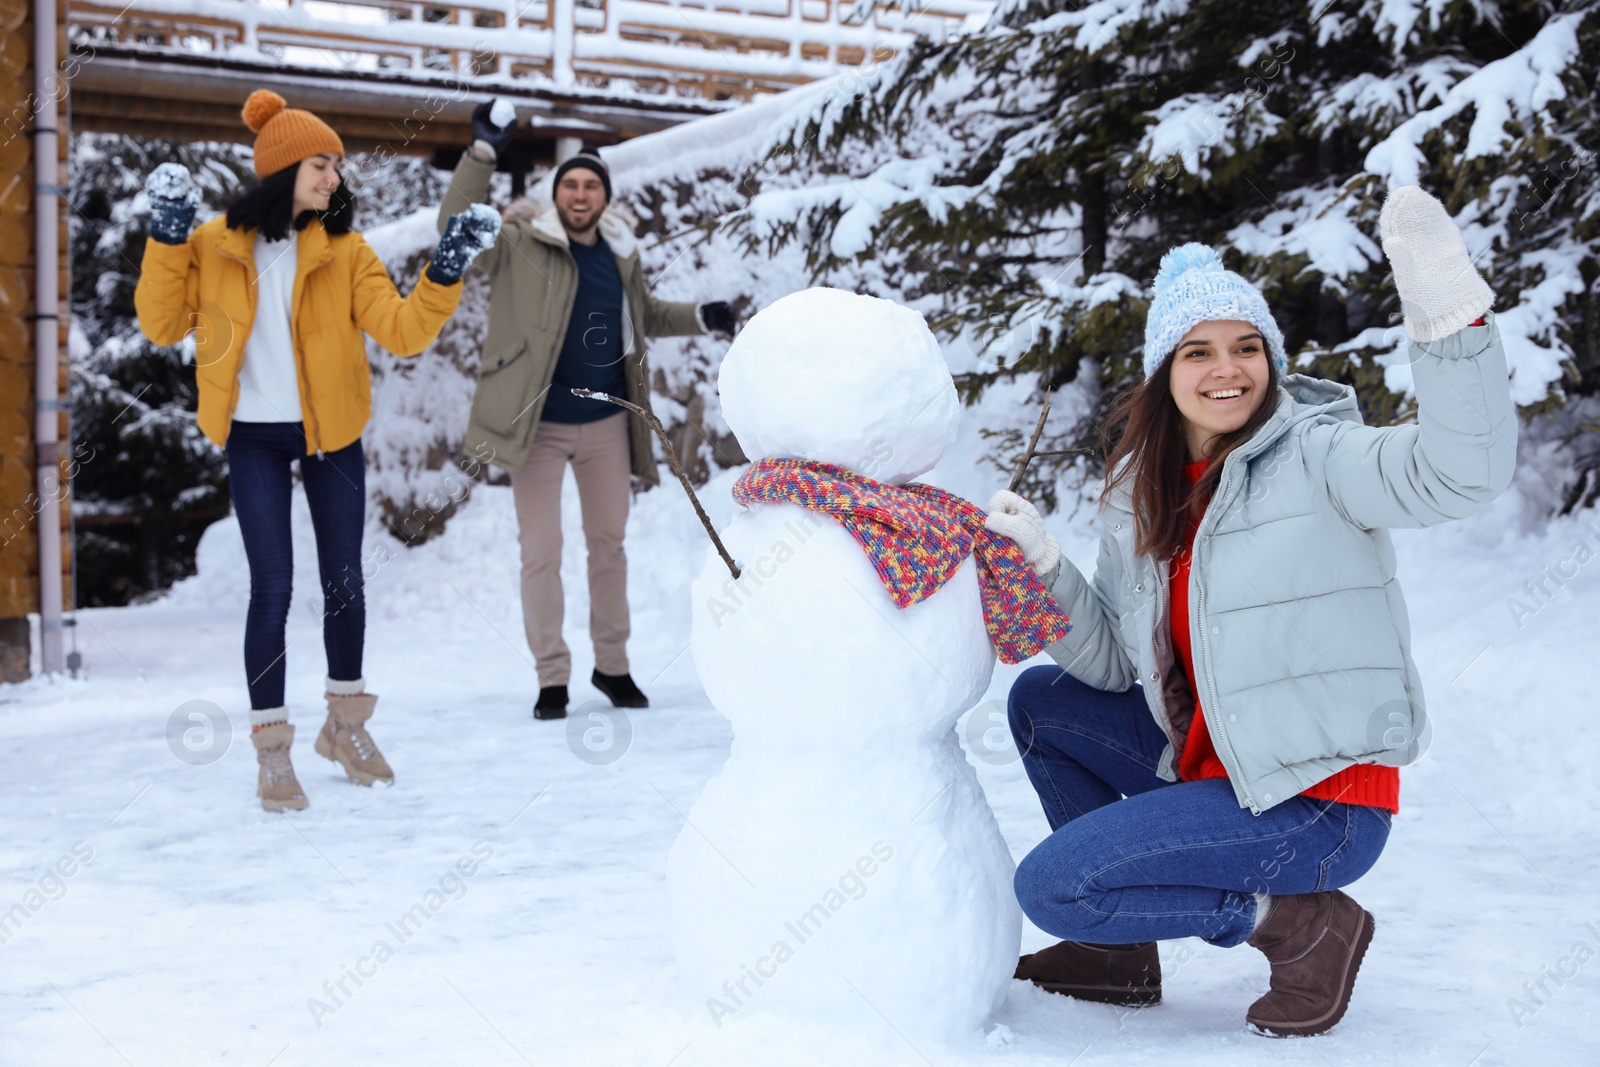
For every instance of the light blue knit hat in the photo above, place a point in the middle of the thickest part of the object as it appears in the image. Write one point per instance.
(1193, 286)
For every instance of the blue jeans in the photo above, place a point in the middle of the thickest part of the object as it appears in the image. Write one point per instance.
(259, 457)
(1133, 857)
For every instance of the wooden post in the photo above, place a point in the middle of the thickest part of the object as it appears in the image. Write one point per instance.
(21, 506)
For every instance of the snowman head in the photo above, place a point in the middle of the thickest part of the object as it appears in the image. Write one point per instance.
(840, 378)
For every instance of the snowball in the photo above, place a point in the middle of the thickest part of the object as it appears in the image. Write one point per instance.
(487, 227)
(170, 181)
(502, 113)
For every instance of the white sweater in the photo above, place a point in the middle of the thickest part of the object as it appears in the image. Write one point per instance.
(269, 387)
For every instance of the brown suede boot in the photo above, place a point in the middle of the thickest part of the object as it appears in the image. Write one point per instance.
(275, 782)
(1315, 942)
(344, 739)
(1107, 974)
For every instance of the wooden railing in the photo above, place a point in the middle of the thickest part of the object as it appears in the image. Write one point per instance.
(723, 49)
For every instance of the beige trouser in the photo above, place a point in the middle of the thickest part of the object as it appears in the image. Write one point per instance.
(598, 452)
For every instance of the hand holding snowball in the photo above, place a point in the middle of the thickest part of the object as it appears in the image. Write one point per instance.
(466, 233)
(1012, 516)
(494, 122)
(173, 198)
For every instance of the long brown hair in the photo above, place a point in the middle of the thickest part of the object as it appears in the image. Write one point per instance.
(1150, 453)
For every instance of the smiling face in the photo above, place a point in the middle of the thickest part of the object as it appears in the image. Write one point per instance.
(580, 197)
(315, 182)
(1219, 379)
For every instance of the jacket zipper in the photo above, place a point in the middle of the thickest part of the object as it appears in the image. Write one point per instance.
(544, 315)
(1161, 691)
(299, 357)
(550, 368)
(1235, 771)
(305, 383)
(252, 288)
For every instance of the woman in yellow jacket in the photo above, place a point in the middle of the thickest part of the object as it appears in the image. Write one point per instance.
(278, 292)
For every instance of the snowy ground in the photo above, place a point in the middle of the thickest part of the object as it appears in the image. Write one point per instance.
(200, 929)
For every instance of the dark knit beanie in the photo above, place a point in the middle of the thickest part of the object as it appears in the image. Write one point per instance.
(586, 157)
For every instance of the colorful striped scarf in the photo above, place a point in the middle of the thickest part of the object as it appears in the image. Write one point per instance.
(917, 537)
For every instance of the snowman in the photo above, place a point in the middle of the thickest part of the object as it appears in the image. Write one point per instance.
(844, 865)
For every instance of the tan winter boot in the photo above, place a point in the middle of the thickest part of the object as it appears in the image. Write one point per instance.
(344, 739)
(276, 784)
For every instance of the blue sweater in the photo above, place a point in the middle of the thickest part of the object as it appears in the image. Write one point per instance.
(591, 354)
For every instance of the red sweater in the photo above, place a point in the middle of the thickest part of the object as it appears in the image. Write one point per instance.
(1364, 783)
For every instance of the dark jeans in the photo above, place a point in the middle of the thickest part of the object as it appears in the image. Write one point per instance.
(1133, 857)
(259, 457)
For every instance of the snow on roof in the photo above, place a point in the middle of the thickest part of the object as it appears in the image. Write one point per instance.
(756, 43)
(739, 133)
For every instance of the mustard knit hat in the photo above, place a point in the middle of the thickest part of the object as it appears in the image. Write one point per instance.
(285, 135)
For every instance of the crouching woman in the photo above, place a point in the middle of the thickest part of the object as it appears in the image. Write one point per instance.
(1217, 752)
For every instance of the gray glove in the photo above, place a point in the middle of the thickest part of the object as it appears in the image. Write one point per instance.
(173, 198)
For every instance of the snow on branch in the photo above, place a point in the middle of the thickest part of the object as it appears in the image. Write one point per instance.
(1519, 87)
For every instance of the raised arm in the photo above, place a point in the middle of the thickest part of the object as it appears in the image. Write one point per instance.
(403, 325)
(469, 184)
(1458, 456)
(167, 296)
(1462, 450)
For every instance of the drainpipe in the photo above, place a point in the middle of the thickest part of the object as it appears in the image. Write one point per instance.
(46, 344)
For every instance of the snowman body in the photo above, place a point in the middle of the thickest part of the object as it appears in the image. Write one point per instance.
(844, 864)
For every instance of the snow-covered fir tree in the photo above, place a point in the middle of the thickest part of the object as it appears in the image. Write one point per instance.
(1020, 183)
(1017, 184)
(146, 481)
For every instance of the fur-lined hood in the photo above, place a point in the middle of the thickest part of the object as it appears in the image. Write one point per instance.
(538, 211)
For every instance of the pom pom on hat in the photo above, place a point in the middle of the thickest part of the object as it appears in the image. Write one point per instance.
(1192, 286)
(1184, 258)
(285, 135)
(262, 105)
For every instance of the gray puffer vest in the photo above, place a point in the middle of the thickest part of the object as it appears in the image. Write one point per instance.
(1299, 632)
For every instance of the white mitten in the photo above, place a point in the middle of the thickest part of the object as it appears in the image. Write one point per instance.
(1012, 516)
(1441, 291)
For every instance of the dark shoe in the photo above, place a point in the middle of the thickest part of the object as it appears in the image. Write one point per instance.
(621, 690)
(1315, 942)
(1107, 974)
(552, 703)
